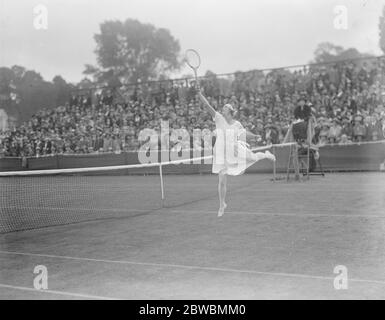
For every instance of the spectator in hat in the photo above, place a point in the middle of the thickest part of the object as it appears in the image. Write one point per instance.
(303, 110)
(271, 133)
(347, 127)
(317, 130)
(2, 150)
(259, 129)
(381, 135)
(324, 133)
(107, 142)
(116, 144)
(334, 131)
(345, 140)
(373, 127)
(97, 142)
(359, 130)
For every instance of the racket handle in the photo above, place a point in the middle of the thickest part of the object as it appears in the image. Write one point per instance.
(197, 85)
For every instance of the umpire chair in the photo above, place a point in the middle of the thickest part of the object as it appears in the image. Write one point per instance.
(308, 156)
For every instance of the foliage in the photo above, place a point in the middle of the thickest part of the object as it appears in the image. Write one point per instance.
(131, 51)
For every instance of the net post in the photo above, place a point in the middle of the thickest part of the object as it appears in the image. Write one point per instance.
(161, 183)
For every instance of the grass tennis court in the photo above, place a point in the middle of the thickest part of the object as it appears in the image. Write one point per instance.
(277, 240)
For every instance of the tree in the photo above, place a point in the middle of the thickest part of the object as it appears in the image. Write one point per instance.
(8, 92)
(382, 30)
(85, 84)
(62, 90)
(130, 51)
(35, 93)
(328, 52)
(7, 78)
(23, 92)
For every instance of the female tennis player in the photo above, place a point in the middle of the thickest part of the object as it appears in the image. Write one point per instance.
(231, 155)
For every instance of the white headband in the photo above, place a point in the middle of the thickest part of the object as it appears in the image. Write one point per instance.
(228, 105)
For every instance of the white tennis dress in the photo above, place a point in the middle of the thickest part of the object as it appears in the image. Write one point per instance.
(231, 154)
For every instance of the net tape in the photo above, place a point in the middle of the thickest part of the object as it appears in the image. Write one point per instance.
(128, 166)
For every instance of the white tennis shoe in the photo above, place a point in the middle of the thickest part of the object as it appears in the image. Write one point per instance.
(221, 210)
(270, 156)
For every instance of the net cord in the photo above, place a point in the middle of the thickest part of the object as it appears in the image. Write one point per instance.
(121, 167)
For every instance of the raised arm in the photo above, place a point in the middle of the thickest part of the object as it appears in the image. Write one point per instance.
(207, 105)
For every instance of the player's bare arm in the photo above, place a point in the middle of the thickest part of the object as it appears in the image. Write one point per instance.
(206, 104)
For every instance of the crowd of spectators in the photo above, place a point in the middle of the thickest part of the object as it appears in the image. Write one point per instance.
(347, 100)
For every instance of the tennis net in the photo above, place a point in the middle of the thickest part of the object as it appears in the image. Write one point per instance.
(45, 198)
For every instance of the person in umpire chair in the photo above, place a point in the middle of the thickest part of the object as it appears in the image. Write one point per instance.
(303, 130)
(300, 128)
(303, 110)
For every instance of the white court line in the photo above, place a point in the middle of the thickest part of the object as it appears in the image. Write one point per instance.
(112, 210)
(63, 293)
(346, 215)
(81, 209)
(187, 267)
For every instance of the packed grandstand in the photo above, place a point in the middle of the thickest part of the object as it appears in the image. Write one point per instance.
(347, 100)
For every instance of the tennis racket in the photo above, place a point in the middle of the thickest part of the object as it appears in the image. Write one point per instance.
(194, 61)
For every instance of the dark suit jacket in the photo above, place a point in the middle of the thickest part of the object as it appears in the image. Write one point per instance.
(303, 113)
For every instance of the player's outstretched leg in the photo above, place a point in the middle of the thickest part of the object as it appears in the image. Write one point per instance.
(264, 155)
(270, 156)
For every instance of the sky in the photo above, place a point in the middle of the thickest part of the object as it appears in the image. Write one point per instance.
(230, 35)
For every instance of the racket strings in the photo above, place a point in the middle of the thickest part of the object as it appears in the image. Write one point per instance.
(193, 59)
